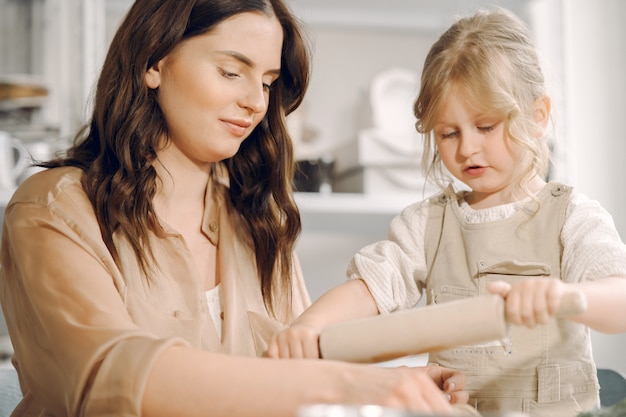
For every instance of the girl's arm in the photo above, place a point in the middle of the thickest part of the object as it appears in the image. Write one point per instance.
(348, 301)
(606, 304)
(390, 268)
(532, 302)
(593, 262)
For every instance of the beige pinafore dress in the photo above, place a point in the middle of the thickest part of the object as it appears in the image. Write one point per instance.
(547, 371)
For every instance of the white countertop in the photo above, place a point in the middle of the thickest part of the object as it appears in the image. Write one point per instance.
(352, 203)
(5, 196)
(328, 203)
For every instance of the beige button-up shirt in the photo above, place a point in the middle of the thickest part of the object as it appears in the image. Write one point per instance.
(85, 333)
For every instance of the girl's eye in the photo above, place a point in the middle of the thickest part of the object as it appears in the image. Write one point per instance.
(448, 135)
(486, 129)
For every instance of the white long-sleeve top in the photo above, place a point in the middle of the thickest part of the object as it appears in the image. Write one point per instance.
(395, 269)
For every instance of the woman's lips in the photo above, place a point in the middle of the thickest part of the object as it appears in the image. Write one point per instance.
(237, 127)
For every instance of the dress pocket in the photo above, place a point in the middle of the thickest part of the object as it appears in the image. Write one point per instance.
(445, 293)
(514, 267)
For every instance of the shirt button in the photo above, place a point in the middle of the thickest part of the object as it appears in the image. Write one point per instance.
(213, 227)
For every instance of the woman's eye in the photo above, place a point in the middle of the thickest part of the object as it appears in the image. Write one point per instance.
(228, 74)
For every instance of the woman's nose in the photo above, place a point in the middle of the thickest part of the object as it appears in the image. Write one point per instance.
(255, 99)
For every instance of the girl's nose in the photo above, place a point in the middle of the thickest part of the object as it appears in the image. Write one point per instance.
(469, 144)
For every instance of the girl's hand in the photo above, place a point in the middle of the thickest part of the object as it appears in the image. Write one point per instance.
(530, 302)
(450, 381)
(297, 341)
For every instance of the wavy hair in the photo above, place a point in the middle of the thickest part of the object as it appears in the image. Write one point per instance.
(488, 57)
(117, 148)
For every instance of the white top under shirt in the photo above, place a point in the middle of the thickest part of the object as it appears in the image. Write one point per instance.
(392, 268)
(215, 307)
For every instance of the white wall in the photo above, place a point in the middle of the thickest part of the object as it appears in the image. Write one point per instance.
(595, 52)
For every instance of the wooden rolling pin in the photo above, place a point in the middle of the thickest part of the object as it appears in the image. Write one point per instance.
(426, 329)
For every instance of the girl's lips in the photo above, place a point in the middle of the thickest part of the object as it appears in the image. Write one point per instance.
(475, 170)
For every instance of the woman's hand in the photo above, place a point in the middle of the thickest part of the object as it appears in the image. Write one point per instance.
(530, 302)
(416, 389)
(298, 341)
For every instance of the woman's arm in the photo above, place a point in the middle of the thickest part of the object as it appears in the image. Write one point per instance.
(190, 383)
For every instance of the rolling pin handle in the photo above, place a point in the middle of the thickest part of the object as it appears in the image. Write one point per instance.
(572, 303)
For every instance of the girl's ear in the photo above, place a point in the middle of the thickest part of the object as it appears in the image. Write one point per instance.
(541, 112)
(153, 76)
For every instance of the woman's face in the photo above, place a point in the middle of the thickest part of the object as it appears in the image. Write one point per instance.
(214, 88)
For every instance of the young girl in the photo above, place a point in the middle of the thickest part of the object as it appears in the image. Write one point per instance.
(143, 273)
(484, 111)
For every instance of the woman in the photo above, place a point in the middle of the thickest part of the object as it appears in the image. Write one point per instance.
(165, 237)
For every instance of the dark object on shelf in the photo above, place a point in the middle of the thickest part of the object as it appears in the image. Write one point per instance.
(312, 174)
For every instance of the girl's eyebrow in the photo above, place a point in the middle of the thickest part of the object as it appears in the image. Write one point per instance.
(245, 60)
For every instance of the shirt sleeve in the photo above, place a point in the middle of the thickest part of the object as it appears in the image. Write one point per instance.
(395, 269)
(76, 348)
(592, 248)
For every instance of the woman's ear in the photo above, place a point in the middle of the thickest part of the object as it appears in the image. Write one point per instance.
(153, 76)
(541, 111)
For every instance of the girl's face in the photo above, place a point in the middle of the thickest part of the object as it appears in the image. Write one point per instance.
(475, 148)
(214, 88)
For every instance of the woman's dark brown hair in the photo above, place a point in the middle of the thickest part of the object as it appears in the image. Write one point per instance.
(117, 148)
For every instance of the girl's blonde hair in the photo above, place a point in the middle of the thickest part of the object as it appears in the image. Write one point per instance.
(490, 58)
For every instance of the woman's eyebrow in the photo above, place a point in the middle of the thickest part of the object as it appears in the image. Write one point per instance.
(245, 60)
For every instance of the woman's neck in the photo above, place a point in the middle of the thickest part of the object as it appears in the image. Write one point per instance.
(182, 185)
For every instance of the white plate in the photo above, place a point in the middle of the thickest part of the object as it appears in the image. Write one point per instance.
(392, 94)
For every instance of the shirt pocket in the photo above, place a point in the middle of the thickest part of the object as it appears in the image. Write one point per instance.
(165, 322)
(262, 328)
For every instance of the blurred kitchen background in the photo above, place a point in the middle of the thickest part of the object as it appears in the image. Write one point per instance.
(353, 135)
